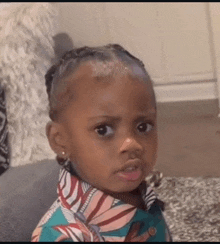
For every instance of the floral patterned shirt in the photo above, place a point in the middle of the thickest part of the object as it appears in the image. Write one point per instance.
(84, 213)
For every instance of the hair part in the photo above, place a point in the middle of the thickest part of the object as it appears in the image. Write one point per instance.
(107, 61)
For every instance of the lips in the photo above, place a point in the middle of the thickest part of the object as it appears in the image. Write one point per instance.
(131, 171)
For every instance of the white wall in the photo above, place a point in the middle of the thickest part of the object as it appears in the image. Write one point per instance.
(172, 39)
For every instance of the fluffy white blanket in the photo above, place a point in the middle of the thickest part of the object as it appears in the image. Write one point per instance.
(26, 52)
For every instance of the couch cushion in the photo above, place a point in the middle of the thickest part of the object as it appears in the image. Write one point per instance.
(26, 53)
(26, 193)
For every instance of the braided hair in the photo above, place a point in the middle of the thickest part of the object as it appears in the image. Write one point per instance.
(72, 59)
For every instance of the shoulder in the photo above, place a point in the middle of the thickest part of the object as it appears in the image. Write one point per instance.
(62, 231)
(57, 233)
(157, 209)
(58, 224)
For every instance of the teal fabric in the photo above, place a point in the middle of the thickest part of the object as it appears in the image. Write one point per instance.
(57, 217)
(152, 218)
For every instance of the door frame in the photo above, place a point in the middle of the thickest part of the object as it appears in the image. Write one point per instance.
(213, 21)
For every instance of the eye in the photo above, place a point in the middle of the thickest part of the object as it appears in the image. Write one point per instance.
(104, 130)
(144, 127)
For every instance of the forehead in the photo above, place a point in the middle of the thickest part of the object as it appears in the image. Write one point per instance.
(112, 67)
(105, 89)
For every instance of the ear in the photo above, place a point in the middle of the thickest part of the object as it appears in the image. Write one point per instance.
(57, 138)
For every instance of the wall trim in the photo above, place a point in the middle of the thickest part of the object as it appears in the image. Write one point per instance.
(186, 92)
(179, 79)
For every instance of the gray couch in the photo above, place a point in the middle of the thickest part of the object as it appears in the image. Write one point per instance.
(26, 193)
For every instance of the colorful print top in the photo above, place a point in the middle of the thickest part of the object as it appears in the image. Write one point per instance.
(84, 213)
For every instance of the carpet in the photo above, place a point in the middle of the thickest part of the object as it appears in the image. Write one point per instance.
(192, 207)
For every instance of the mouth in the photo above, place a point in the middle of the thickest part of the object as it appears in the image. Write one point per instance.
(132, 171)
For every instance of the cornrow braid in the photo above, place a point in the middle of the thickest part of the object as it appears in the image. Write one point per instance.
(121, 49)
(51, 72)
(49, 78)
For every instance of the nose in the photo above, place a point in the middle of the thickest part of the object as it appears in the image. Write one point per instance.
(131, 145)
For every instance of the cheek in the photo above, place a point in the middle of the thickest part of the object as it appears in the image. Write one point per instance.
(152, 147)
(85, 148)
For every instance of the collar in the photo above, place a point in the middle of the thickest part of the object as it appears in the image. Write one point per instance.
(79, 196)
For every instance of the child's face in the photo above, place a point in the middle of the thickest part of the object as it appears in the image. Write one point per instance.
(112, 131)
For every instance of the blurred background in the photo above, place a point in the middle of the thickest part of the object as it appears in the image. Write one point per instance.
(179, 45)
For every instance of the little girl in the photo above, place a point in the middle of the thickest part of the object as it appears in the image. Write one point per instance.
(104, 131)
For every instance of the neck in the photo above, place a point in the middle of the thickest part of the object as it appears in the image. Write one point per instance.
(134, 198)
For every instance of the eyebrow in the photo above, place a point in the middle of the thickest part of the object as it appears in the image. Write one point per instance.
(118, 118)
(107, 117)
